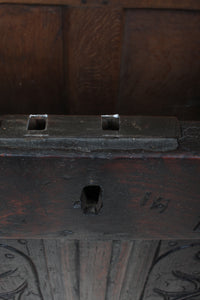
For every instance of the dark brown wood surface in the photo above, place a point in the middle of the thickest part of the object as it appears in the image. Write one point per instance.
(94, 57)
(104, 59)
(145, 193)
(142, 197)
(31, 59)
(160, 50)
(103, 270)
(167, 4)
(94, 41)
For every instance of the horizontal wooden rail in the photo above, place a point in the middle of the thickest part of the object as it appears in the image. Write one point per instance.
(97, 177)
(154, 4)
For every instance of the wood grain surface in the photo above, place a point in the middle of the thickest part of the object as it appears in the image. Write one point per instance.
(160, 71)
(114, 270)
(101, 60)
(95, 57)
(143, 197)
(31, 70)
(172, 4)
(148, 194)
(93, 49)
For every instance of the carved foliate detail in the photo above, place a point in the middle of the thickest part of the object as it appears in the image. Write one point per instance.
(18, 275)
(175, 274)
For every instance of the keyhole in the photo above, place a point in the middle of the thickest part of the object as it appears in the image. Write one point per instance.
(91, 199)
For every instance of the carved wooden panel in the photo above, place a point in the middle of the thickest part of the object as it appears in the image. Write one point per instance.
(103, 270)
(175, 272)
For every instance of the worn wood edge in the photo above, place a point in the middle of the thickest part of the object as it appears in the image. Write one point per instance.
(167, 4)
(134, 4)
(66, 235)
(57, 135)
(186, 146)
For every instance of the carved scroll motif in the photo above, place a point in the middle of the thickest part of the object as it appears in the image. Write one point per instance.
(175, 275)
(18, 275)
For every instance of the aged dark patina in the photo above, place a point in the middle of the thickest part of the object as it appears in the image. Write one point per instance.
(69, 176)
